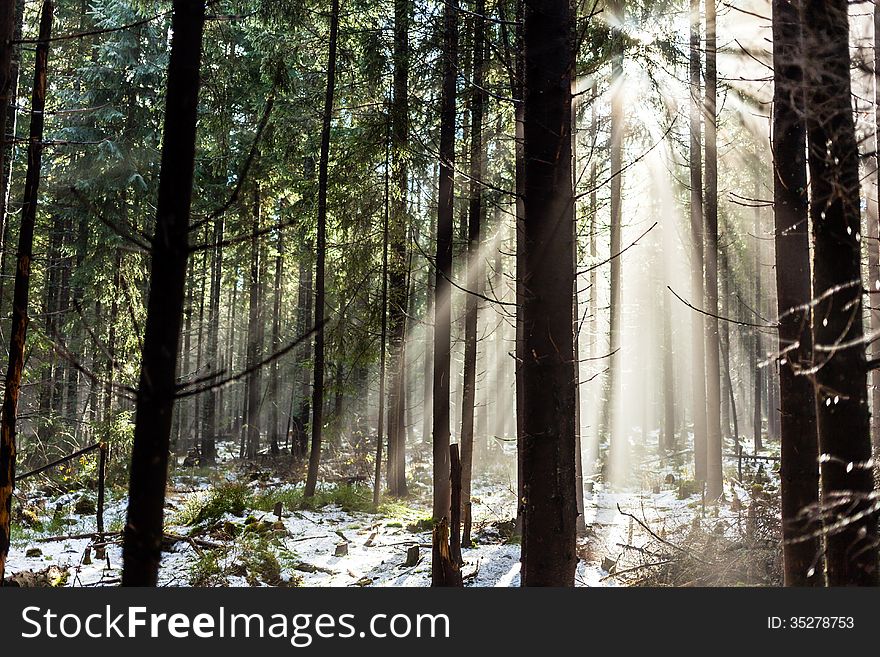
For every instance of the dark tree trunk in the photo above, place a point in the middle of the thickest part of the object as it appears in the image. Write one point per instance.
(443, 265)
(11, 18)
(800, 450)
(873, 243)
(304, 323)
(838, 336)
(274, 399)
(475, 269)
(383, 336)
(18, 333)
(714, 442)
(110, 368)
(254, 341)
(698, 365)
(212, 401)
(398, 290)
(156, 391)
(320, 301)
(548, 450)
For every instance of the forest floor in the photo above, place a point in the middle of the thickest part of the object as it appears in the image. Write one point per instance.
(222, 530)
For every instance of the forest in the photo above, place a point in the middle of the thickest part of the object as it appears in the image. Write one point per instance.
(459, 293)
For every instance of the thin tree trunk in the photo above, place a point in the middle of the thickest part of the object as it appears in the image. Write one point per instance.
(757, 426)
(714, 441)
(698, 364)
(383, 337)
(18, 333)
(612, 417)
(838, 336)
(11, 19)
(475, 269)
(212, 401)
(276, 340)
(142, 542)
(398, 291)
(254, 341)
(320, 301)
(799, 473)
(443, 264)
(549, 434)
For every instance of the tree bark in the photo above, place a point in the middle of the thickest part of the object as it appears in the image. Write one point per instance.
(799, 472)
(398, 291)
(612, 420)
(254, 336)
(714, 442)
(698, 366)
(212, 401)
(475, 269)
(838, 336)
(18, 333)
(141, 550)
(549, 435)
(443, 265)
(321, 257)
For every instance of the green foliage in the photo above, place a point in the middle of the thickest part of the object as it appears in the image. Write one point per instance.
(259, 559)
(347, 498)
(232, 498)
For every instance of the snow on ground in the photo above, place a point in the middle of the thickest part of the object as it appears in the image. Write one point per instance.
(376, 545)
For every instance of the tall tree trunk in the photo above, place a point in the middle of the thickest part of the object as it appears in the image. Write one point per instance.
(383, 336)
(548, 467)
(443, 265)
(475, 269)
(521, 271)
(11, 18)
(757, 425)
(727, 390)
(142, 543)
(612, 417)
(18, 333)
(320, 301)
(110, 368)
(874, 250)
(398, 290)
(254, 342)
(698, 364)
(304, 323)
(274, 437)
(799, 473)
(838, 336)
(212, 401)
(714, 442)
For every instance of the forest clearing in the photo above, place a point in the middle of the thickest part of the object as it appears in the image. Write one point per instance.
(449, 293)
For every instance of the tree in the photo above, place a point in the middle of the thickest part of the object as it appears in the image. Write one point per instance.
(549, 398)
(714, 443)
(443, 264)
(321, 257)
(142, 540)
(800, 451)
(18, 333)
(838, 336)
(254, 335)
(698, 364)
(612, 414)
(476, 271)
(398, 269)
